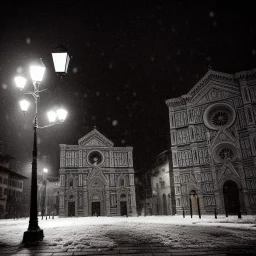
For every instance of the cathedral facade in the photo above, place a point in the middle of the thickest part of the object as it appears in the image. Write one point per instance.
(213, 144)
(96, 178)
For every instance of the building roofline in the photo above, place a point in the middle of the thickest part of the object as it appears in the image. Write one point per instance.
(5, 169)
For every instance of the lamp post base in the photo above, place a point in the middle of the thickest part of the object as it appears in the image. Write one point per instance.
(33, 236)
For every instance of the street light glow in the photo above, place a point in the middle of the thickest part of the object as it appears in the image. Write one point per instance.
(37, 73)
(52, 116)
(62, 114)
(20, 82)
(24, 104)
(45, 170)
(61, 61)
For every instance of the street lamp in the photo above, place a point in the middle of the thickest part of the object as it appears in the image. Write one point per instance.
(34, 233)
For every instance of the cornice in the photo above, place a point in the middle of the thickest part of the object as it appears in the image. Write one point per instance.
(246, 75)
(175, 102)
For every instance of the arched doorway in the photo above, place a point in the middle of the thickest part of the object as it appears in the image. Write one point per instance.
(231, 197)
(164, 205)
(96, 205)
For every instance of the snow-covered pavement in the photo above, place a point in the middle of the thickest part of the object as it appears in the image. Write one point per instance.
(173, 231)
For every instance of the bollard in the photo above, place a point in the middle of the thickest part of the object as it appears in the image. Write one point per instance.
(215, 212)
(239, 214)
(183, 211)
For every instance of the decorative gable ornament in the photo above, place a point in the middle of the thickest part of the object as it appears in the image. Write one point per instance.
(95, 138)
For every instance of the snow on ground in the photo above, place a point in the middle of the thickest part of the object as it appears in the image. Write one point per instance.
(174, 231)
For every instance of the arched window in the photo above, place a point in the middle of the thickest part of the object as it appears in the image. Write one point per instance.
(122, 182)
(71, 183)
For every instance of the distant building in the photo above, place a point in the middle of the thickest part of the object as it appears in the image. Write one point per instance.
(155, 192)
(11, 190)
(96, 178)
(213, 144)
(48, 195)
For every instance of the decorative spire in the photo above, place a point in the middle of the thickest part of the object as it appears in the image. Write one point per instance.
(209, 63)
(94, 127)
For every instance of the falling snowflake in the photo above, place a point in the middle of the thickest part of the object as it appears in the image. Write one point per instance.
(108, 118)
(118, 98)
(28, 40)
(134, 94)
(85, 95)
(253, 52)
(214, 24)
(110, 65)
(4, 86)
(75, 70)
(123, 141)
(152, 58)
(211, 14)
(97, 93)
(114, 122)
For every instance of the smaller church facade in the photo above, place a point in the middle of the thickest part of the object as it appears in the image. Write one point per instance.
(96, 178)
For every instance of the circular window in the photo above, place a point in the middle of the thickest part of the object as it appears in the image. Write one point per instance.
(223, 152)
(95, 158)
(226, 153)
(220, 115)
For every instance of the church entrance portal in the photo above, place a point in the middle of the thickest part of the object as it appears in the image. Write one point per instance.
(95, 208)
(231, 197)
(71, 209)
(123, 208)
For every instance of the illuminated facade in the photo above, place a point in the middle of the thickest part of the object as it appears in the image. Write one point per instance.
(213, 139)
(96, 178)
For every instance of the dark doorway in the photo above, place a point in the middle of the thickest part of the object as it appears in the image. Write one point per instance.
(71, 209)
(96, 209)
(123, 208)
(231, 197)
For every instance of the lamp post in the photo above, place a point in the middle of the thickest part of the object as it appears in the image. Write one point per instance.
(34, 233)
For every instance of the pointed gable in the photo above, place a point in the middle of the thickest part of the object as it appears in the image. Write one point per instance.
(211, 87)
(95, 138)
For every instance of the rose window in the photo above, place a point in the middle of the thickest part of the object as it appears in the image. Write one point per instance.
(219, 115)
(95, 158)
(220, 118)
(226, 153)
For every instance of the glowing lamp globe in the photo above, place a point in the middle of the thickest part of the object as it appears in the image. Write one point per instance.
(61, 59)
(20, 82)
(62, 114)
(52, 116)
(37, 72)
(24, 104)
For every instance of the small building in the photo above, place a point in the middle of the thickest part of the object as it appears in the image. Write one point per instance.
(96, 178)
(155, 191)
(11, 190)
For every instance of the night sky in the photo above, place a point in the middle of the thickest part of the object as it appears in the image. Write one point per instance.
(127, 59)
